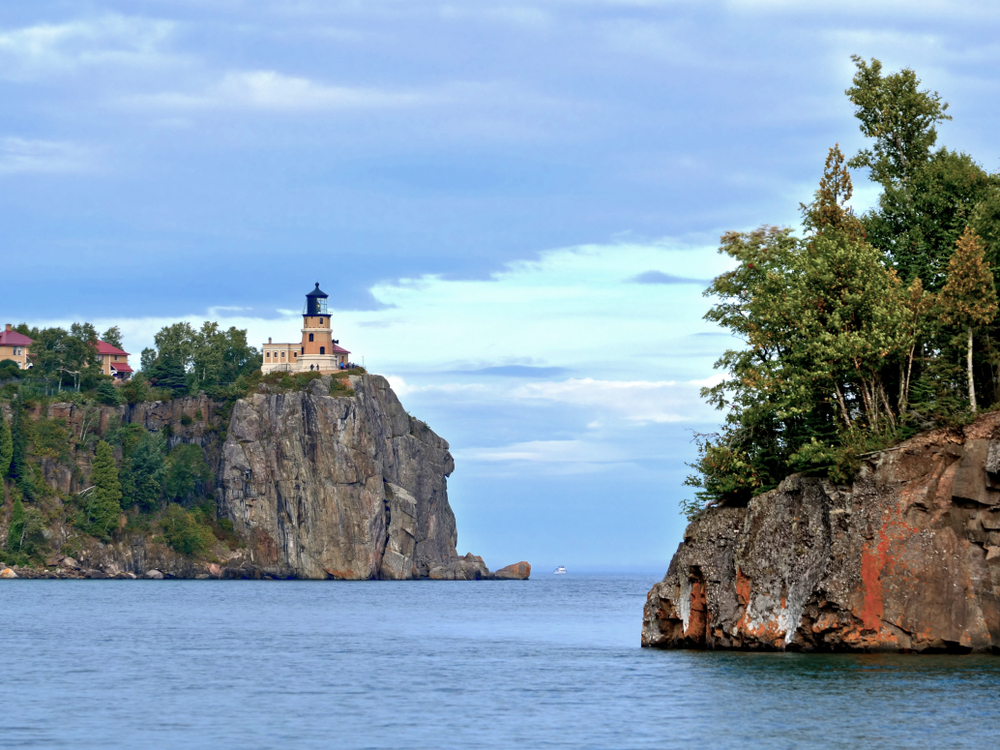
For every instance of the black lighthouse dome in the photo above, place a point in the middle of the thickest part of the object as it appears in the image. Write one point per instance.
(316, 301)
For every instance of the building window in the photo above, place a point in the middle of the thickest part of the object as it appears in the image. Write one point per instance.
(267, 355)
(321, 321)
(310, 337)
(116, 358)
(303, 350)
(282, 355)
(295, 354)
(322, 350)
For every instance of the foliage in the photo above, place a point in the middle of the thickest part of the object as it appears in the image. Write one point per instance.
(840, 357)
(143, 468)
(20, 431)
(50, 438)
(186, 473)
(16, 528)
(113, 336)
(6, 446)
(104, 500)
(897, 116)
(9, 369)
(107, 393)
(969, 297)
(186, 531)
(137, 389)
(168, 372)
(204, 359)
(62, 357)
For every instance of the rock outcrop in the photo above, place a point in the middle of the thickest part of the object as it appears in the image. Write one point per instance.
(345, 486)
(907, 558)
(517, 572)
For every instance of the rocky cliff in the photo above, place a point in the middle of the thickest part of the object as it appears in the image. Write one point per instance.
(347, 486)
(335, 480)
(907, 558)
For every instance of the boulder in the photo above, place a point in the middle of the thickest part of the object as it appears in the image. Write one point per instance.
(155, 574)
(69, 562)
(516, 572)
(8, 573)
(468, 568)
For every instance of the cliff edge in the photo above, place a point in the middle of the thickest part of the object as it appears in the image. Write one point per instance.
(324, 477)
(907, 558)
(337, 486)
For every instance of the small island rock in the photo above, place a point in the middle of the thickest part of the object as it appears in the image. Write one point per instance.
(516, 572)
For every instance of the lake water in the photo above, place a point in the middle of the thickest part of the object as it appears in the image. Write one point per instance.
(553, 662)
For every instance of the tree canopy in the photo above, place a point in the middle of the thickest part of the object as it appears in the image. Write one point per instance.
(854, 334)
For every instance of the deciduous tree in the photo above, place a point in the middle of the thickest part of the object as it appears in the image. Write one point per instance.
(969, 297)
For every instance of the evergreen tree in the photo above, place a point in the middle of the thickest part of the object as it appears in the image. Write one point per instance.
(16, 530)
(969, 297)
(6, 446)
(19, 469)
(107, 393)
(113, 336)
(104, 501)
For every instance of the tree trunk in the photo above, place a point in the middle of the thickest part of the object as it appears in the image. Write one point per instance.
(843, 407)
(972, 384)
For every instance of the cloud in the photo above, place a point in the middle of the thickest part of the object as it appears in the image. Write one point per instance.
(42, 49)
(639, 402)
(576, 456)
(22, 156)
(658, 277)
(270, 90)
(514, 371)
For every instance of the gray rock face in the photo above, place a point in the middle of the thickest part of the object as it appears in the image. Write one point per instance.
(344, 486)
(907, 558)
(468, 568)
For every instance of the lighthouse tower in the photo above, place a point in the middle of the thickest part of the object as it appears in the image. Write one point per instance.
(318, 350)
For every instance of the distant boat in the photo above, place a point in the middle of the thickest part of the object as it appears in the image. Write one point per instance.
(560, 571)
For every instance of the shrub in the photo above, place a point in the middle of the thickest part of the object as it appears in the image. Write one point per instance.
(106, 393)
(184, 531)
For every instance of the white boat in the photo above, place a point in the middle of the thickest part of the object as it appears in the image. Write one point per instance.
(560, 571)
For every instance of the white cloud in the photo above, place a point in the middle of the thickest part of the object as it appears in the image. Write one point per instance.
(21, 156)
(554, 456)
(42, 49)
(270, 90)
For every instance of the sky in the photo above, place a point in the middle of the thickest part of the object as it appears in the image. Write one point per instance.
(515, 206)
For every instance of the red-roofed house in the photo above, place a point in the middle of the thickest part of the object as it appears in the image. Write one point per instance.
(14, 345)
(114, 361)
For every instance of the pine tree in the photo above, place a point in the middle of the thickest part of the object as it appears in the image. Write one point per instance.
(104, 503)
(6, 446)
(969, 297)
(16, 530)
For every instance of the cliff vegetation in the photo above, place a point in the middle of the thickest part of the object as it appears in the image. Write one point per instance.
(864, 330)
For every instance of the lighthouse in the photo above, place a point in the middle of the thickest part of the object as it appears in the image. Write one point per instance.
(318, 350)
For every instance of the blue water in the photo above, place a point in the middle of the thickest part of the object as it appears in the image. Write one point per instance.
(548, 663)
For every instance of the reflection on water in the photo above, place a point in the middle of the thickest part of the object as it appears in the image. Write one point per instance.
(552, 662)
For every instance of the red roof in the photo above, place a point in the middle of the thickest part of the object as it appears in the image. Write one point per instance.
(337, 350)
(13, 338)
(121, 367)
(103, 348)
